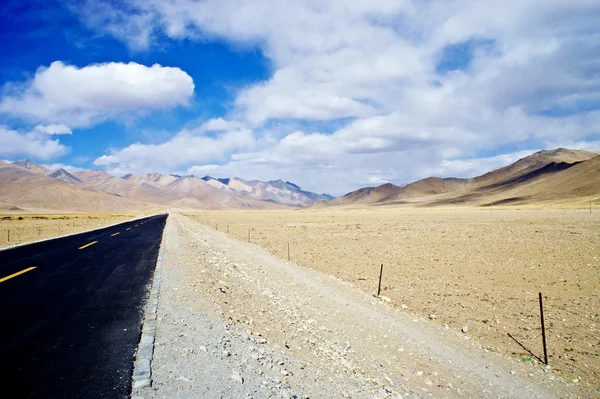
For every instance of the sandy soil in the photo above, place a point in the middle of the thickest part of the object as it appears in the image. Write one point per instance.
(235, 321)
(479, 269)
(18, 229)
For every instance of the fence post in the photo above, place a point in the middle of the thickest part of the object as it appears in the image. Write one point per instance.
(288, 251)
(543, 330)
(380, 275)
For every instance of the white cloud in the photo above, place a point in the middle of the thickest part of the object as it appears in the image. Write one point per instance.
(534, 85)
(66, 94)
(220, 124)
(53, 129)
(34, 145)
(68, 168)
(185, 148)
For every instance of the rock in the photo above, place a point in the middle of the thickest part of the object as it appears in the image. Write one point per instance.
(237, 377)
(431, 316)
(419, 372)
(465, 329)
(385, 299)
(404, 306)
(513, 372)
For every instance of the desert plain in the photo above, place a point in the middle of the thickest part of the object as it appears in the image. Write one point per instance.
(477, 271)
(17, 228)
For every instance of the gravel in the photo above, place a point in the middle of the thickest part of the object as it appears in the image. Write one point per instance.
(235, 322)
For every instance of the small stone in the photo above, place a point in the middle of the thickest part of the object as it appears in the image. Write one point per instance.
(226, 353)
(419, 372)
(237, 377)
(513, 372)
(465, 329)
(203, 348)
(404, 306)
(431, 316)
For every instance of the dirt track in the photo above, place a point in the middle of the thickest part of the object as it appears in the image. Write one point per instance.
(235, 321)
(477, 268)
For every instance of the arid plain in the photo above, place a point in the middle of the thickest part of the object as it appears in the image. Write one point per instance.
(16, 228)
(469, 269)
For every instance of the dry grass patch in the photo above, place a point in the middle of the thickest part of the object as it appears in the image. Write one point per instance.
(18, 229)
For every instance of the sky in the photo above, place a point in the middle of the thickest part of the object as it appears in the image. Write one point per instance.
(332, 95)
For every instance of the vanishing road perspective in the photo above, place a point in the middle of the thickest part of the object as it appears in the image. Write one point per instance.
(71, 311)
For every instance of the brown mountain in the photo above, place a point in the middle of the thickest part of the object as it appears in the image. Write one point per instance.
(559, 176)
(160, 190)
(34, 167)
(91, 177)
(25, 189)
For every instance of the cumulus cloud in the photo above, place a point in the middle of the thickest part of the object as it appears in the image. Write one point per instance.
(220, 124)
(524, 75)
(53, 129)
(65, 94)
(34, 145)
(68, 168)
(185, 148)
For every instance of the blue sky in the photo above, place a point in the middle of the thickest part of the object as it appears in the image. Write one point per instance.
(333, 96)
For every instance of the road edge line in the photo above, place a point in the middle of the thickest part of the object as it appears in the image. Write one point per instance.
(142, 370)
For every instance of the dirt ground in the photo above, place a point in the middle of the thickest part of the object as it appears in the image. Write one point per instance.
(474, 270)
(234, 321)
(20, 229)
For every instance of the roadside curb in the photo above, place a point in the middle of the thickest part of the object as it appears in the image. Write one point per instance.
(142, 371)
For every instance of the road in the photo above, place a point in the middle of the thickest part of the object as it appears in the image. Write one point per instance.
(71, 311)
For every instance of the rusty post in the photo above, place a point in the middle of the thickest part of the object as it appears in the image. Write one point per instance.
(380, 275)
(288, 251)
(8, 231)
(543, 330)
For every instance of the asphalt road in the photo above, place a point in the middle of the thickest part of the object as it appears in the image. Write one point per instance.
(71, 311)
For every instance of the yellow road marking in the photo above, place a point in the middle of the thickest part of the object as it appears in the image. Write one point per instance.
(87, 245)
(116, 234)
(129, 228)
(17, 274)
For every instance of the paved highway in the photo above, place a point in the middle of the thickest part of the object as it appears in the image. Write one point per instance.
(71, 311)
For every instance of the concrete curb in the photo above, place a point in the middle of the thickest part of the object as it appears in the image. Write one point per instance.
(142, 371)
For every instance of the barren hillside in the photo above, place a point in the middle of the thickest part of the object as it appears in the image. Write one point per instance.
(559, 177)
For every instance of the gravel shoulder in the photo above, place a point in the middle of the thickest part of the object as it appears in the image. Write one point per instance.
(234, 322)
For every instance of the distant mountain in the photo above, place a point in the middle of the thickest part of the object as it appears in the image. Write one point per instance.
(35, 191)
(34, 167)
(61, 174)
(559, 176)
(275, 191)
(172, 190)
(91, 177)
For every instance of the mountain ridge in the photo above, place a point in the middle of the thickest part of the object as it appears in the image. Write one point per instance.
(172, 190)
(534, 178)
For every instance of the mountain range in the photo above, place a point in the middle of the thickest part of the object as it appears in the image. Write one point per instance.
(27, 185)
(559, 177)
